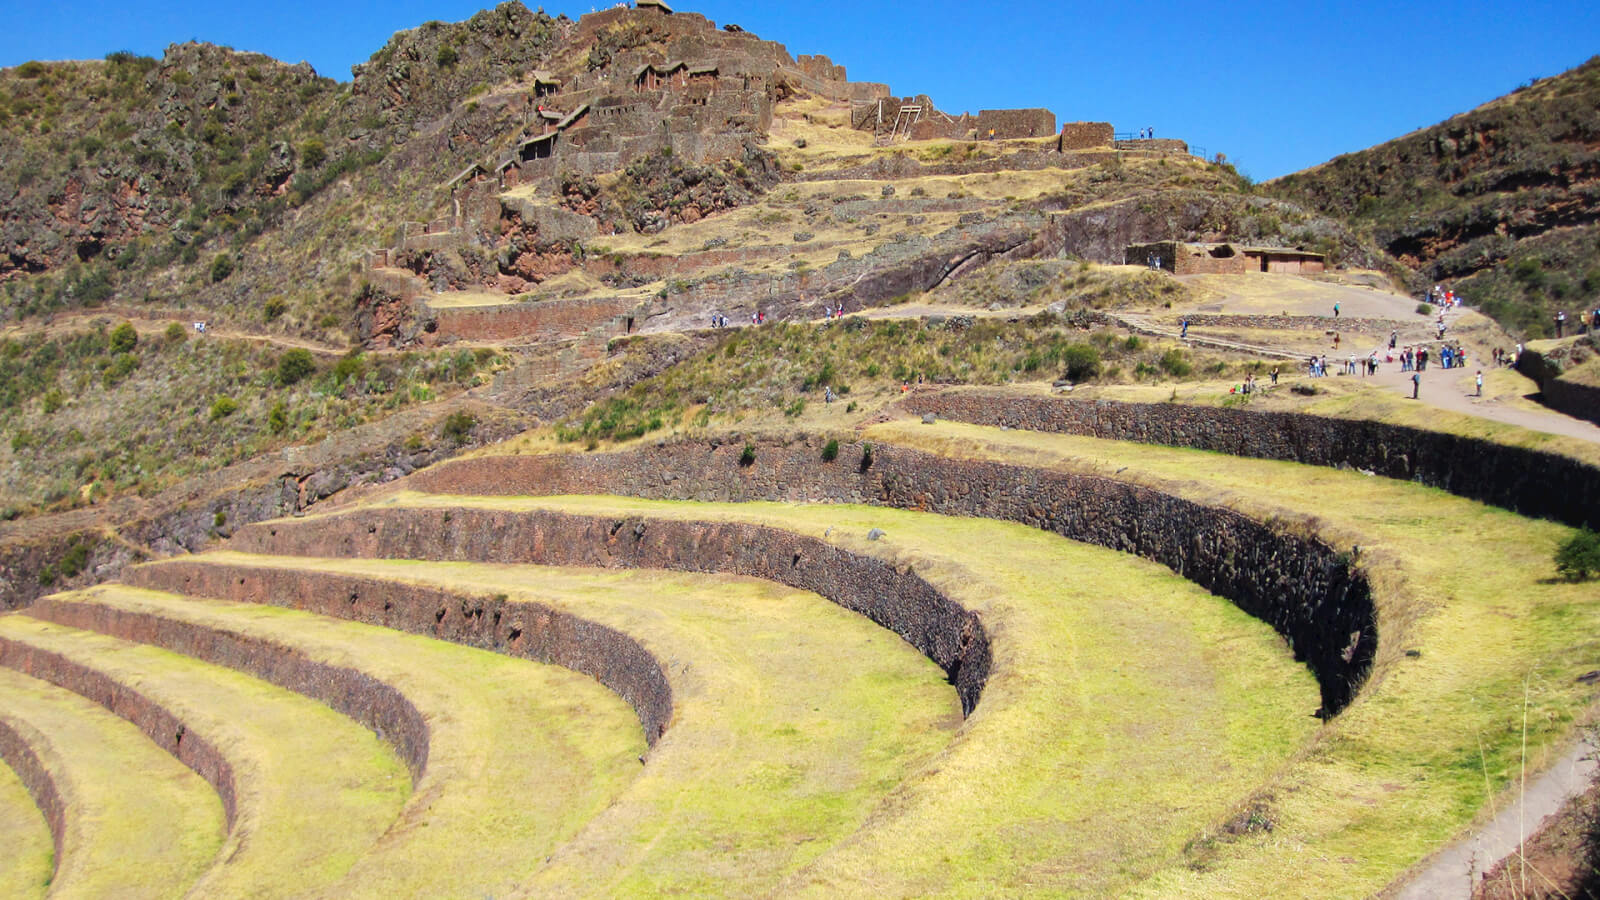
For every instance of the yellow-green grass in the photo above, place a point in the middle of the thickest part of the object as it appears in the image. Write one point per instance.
(315, 790)
(499, 727)
(791, 718)
(25, 847)
(1126, 712)
(138, 822)
(1434, 739)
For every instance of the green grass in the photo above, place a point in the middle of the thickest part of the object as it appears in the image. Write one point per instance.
(792, 716)
(25, 848)
(315, 790)
(1127, 709)
(139, 823)
(559, 742)
(1433, 739)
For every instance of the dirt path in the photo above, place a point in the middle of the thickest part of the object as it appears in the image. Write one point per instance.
(155, 324)
(1454, 870)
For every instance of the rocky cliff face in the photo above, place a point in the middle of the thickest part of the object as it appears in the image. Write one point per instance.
(1501, 202)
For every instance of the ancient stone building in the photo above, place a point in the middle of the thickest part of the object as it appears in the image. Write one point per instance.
(1223, 259)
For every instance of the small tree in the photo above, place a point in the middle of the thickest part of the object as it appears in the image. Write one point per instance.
(1083, 362)
(1578, 558)
(830, 450)
(124, 338)
(295, 365)
(221, 267)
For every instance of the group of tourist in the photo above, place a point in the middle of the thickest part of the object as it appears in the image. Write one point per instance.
(1443, 298)
(1416, 359)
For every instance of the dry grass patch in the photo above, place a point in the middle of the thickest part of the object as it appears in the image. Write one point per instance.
(139, 823)
(499, 728)
(1435, 737)
(315, 790)
(1127, 710)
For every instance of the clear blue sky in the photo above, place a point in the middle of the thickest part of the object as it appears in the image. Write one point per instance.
(1277, 87)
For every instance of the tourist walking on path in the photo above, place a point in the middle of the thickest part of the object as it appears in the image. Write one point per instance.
(1561, 322)
(1480, 382)
(1185, 334)
(1416, 384)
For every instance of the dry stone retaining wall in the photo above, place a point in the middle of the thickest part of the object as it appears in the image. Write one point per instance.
(894, 597)
(165, 729)
(16, 753)
(1303, 588)
(526, 630)
(1530, 482)
(353, 693)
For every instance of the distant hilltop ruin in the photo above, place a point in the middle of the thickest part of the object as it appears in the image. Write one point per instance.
(655, 79)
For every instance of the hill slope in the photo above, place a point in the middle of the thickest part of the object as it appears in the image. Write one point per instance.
(1502, 203)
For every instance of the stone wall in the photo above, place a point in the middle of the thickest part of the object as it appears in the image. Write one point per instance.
(380, 707)
(896, 598)
(1085, 135)
(524, 630)
(1016, 123)
(16, 752)
(1303, 588)
(549, 319)
(1530, 482)
(1581, 401)
(167, 731)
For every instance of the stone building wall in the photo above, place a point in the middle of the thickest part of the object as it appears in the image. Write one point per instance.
(550, 318)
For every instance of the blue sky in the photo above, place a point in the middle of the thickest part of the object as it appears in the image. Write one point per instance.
(1277, 87)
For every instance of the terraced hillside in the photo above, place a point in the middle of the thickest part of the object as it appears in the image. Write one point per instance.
(1001, 695)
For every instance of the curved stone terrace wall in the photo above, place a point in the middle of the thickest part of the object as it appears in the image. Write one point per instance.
(1531, 482)
(896, 598)
(161, 726)
(1310, 593)
(525, 630)
(351, 692)
(16, 753)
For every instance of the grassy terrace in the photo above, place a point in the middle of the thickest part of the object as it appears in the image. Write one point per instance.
(1126, 710)
(139, 823)
(25, 848)
(792, 716)
(1437, 736)
(315, 789)
(499, 727)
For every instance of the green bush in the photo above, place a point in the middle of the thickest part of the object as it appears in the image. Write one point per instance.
(1174, 363)
(349, 367)
(830, 451)
(221, 267)
(446, 57)
(1424, 309)
(278, 418)
(273, 308)
(313, 153)
(223, 406)
(175, 333)
(747, 456)
(1578, 558)
(458, 426)
(1082, 361)
(75, 560)
(124, 338)
(295, 365)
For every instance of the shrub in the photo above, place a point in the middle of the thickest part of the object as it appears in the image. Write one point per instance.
(221, 267)
(349, 367)
(124, 338)
(866, 457)
(446, 57)
(1424, 309)
(223, 406)
(1174, 363)
(747, 456)
(273, 308)
(313, 153)
(1578, 558)
(458, 426)
(830, 451)
(75, 560)
(278, 418)
(1082, 361)
(295, 365)
(176, 334)
(52, 400)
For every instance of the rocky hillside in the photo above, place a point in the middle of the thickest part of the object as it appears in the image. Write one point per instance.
(1501, 203)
